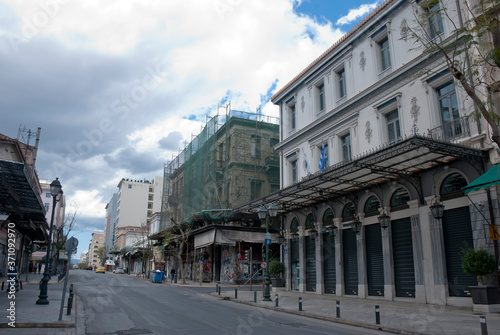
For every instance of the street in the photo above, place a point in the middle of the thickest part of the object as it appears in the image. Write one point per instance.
(121, 304)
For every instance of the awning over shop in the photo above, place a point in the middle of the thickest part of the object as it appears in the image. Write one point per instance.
(20, 199)
(38, 255)
(488, 179)
(223, 236)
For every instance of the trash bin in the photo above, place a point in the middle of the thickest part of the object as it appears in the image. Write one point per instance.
(159, 276)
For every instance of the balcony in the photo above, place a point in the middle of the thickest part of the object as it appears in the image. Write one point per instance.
(450, 131)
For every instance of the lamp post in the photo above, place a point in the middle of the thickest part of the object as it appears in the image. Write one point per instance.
(176, 257)
(55, 190)
(262, 213)
(437, 209)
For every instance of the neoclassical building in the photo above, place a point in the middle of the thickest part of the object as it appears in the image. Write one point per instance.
(373, 134)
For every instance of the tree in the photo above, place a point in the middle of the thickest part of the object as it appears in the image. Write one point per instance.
(181, 231)
(471, 50)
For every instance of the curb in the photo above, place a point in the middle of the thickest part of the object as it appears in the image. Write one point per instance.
(324, 318)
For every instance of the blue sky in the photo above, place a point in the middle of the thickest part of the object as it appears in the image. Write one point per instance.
(118, 86)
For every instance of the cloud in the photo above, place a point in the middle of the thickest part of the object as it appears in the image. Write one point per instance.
(357, 13)
(171, 141)
(117, 87)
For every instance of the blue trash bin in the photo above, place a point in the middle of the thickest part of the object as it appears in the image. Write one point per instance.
(159, 275)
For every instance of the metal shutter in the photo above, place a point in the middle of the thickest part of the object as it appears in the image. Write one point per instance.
(329, 271)
(350, 262)
(404, 269)
(374, 260)
(457, 232)
(310, 264)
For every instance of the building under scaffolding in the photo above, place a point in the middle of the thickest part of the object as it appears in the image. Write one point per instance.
(231, 162)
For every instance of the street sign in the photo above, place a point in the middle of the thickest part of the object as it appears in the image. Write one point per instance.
(70, 246)
(267, 240)
(239, 256)
(263, 265)
(494, 233)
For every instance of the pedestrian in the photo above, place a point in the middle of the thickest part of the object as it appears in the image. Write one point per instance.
(172, 275)
(35, 267)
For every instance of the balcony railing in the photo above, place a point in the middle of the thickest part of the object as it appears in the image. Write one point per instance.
(456, 129)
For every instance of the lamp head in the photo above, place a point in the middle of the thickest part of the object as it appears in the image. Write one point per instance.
(262, 212)
(55, 187)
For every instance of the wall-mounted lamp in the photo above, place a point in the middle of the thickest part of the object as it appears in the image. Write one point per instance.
(313, 233)
(295, 236)
(332, 230)
(384, 219)
(356, 226)
(437, 209)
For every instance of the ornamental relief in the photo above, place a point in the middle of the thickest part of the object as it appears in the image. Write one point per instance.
(362, 60)
(368, 132)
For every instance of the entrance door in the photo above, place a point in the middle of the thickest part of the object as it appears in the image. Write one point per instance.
(310, 264)
(329, 271)
(350, 262)
(457, 233)
(374, 260)
(294, 254)
(402, 247)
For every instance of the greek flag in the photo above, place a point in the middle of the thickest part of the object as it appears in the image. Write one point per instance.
(323, 158)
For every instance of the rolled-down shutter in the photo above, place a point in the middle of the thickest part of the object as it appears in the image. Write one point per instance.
(402, 249)
(350, 262)
(329, 271)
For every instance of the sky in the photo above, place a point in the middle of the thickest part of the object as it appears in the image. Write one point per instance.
(119, 86)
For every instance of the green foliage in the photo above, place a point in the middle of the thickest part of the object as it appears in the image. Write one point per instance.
(276, 267)
(477, 262)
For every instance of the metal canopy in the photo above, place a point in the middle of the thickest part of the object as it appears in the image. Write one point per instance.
(402, 159)
(20, 199)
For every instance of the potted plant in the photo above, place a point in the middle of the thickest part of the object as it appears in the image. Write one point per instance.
(480, 263)
(276, 268)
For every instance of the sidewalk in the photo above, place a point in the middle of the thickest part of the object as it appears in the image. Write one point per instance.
(395, 317)
(31, 318)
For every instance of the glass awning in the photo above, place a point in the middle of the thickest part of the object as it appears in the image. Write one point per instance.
(402, 159)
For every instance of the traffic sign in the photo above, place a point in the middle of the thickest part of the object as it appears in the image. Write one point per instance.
(263, 265)
(239, 256)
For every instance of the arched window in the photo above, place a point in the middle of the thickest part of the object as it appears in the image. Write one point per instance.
(371, 206)
(348, 212)
(328, 217)
(294, 226)
(451, 187)
(310, 221)
(399, 199)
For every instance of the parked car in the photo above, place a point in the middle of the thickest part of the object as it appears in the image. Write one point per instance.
(119, 270)
(100, 269)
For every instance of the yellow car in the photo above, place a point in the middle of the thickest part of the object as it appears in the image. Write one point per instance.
(100, 269)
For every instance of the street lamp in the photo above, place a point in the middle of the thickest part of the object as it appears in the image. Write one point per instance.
(55, 191)
(384, 220)
(262, 213)
(176, 257)
(356, 225)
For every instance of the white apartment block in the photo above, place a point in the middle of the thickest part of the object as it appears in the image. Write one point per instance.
(137, 201)
(96, 242)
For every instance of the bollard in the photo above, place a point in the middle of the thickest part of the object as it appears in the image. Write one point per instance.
(377, 314)
(3, 283)
(254, 296)
(219, 290)
(70, 300)
(21, 284)
(235, 293)
(277, 300)
(338, 309)
(484, 327)
(216, 287)
(300, 304)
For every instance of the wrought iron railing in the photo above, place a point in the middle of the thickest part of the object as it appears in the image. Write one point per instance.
(456, 129)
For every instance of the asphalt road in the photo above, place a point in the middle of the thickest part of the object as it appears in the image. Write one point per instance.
(123, 305)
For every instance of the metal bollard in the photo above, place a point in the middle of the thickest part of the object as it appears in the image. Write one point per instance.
(70, 300)
(219, 290)
(277, 304)
(300, 304)
(338, 309)
(484, 327)
(235, 293)
(21, 284)
(254, 296)
(216, 287)
(377, 314)
(3, 283)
